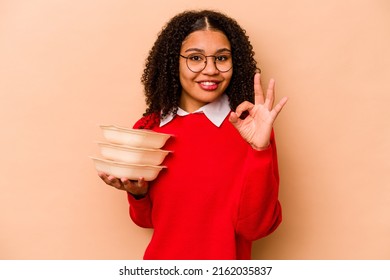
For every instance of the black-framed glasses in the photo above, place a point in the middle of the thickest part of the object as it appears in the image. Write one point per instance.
(197, 62)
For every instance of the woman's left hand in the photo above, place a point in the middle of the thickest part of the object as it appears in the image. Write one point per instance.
(256, 128)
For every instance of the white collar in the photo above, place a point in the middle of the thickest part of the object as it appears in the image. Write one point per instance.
(215, 111)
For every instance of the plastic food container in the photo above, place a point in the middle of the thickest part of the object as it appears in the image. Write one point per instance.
(126, 170)
(133, 155)
(142, 138)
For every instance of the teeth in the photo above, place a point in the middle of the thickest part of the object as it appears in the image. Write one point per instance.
(208, 83)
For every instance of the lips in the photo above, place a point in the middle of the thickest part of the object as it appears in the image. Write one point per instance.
(208, 85)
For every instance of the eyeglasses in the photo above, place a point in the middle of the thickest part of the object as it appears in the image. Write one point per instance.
(196, 62)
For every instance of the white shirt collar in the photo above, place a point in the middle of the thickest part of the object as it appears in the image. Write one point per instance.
(215, 111)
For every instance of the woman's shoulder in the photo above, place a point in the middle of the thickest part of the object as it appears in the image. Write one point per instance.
(148, 121)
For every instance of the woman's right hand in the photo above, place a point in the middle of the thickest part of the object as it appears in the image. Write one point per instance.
(137, 188)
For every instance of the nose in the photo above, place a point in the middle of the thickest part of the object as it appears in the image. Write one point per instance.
(211, 68)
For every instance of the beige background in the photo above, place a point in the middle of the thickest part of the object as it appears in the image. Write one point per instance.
(68, 66)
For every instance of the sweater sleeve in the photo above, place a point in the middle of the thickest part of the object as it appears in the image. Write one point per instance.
(259, 212)
(140, 211)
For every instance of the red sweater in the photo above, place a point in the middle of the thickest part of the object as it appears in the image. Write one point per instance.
(216, 196)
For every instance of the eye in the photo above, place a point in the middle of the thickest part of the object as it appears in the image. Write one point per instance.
(196, 57)
(222, 58)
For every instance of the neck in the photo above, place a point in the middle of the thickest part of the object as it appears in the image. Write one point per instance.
(190, 106)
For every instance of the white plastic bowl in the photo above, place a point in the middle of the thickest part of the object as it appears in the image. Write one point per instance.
(141, 138)
(126, 170)
(132, 155)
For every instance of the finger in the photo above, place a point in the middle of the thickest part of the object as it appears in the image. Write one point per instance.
(104, 176)
(279, 106)
(141, 182)
(233, 118)
(244, 106)
(270, 98)
(259, 96)
(138, 183)
(135, 187)
(115, 182)
(127, 184)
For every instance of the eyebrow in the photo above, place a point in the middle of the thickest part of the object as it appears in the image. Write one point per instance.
(202, 51)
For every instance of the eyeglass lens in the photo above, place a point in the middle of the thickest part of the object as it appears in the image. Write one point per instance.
(196, 62)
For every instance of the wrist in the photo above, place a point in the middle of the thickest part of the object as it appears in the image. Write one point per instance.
(138, 196)
(261, 148)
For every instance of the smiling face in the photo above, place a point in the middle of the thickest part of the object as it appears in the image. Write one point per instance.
(199, 89)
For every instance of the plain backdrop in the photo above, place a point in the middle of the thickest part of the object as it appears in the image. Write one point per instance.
(68, 66)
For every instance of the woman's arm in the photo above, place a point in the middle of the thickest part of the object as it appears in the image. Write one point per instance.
(259, 212)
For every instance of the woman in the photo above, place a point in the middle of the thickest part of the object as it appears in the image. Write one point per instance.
(220, 190)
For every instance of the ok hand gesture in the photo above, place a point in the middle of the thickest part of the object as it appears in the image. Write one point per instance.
(256, 128)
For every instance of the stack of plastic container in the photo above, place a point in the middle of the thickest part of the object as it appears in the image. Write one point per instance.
(131, 153)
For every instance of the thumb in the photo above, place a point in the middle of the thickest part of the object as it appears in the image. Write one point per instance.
(233, 118)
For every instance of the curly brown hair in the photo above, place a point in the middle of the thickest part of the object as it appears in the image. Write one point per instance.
(161, 74)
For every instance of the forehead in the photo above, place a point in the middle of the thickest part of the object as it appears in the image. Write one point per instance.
(206, 40)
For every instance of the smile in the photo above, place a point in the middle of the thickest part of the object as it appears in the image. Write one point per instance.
(208, 85)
